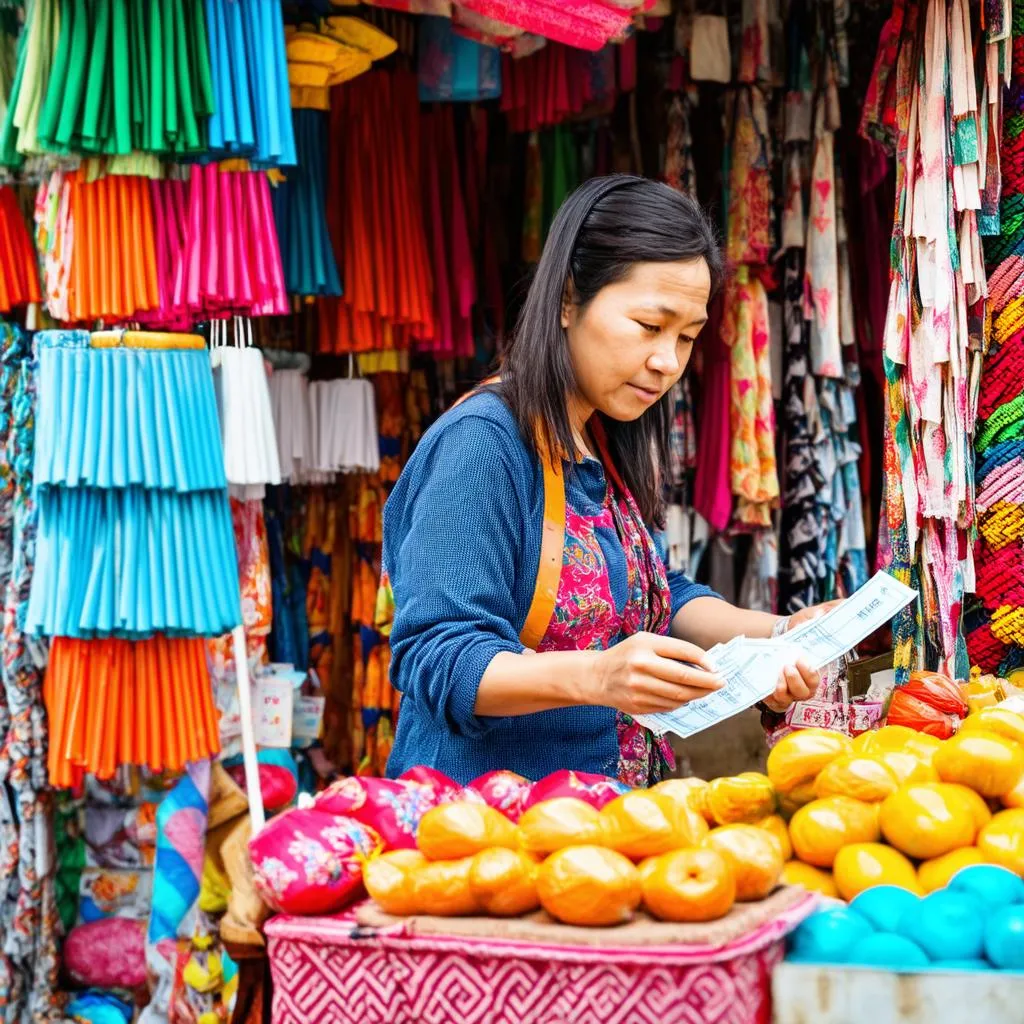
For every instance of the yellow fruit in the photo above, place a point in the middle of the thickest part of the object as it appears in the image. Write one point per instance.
(863, 865)
(504, 882)
(889, 737)
(688, 885)
(754, 856)
(796, 872)
(1015, 797)
(554, 824)
(924, 746)
(589, 886)
(987, 762)
(776, 826)
(1002, 840)
(389, 879)
(974, 803)
(1001, 721)
(693, 792)
(797, 758)
(454, 831)
(740, 798)
(441, 888)
(861, 776)
(908, 766)
(643, 824)
(928, 819)
(935, 873)
(822, 828)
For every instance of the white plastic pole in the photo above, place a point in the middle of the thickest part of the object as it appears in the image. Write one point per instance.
(252, 769)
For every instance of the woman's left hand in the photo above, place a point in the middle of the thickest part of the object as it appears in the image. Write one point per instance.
(798, 681)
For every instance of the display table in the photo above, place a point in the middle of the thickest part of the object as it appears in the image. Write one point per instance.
(366, 968)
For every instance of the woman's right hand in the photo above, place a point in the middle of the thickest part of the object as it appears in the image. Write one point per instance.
(647, 673)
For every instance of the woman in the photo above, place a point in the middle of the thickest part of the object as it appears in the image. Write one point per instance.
(529, 628)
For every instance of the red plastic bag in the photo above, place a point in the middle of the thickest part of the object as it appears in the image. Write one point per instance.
(448, 790)
(503, 790)
(596, 790)
(938, 691)
(906, 709)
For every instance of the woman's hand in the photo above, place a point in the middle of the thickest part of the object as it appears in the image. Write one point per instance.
(646, 673)
(798, 681)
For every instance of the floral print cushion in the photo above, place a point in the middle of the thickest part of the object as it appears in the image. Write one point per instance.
(307, 861)
(503, 790)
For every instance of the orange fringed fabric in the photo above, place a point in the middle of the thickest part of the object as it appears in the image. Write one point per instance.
(376, 218)
(112, 702)
(19, 276)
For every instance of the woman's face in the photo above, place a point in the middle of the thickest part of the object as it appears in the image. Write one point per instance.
(632, 342)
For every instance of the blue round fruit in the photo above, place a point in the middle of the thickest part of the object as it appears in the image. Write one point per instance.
(885, 905)
(828, 936)
(961, 965)
(947, 925)
(894, 952)
(1004, 938)
(996, 886)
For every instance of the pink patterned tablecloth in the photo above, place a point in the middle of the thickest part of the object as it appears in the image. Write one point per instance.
(328, 970)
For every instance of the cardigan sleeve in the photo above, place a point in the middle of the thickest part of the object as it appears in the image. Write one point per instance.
(453, 538)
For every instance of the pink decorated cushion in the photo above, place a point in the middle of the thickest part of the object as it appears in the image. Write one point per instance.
(503, 790)
(596, 790)
(306, 861)
(110, 953)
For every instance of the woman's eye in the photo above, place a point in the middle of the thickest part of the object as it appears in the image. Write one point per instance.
(651, 328)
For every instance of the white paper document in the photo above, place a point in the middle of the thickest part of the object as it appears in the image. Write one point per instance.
(751, 667)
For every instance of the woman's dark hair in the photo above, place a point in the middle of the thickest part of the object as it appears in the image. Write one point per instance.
(605, 227)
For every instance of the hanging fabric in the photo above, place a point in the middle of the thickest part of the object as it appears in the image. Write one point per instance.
(452, 68)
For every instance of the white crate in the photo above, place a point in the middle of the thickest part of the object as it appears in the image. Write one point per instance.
(821, 994)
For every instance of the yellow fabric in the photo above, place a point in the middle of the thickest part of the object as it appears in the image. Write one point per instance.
(310, 97)
(360, 34)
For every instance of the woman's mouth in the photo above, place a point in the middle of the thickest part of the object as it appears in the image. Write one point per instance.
(646, 394)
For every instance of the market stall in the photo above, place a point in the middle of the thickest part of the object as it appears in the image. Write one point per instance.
(249, 253)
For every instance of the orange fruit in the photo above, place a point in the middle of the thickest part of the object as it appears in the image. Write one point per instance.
(820, 829)
(796, 759)
(1001, 721)
(862, 776)
(988, 763)
(504, 882)
(1015, 796)
(776, 826)
(563, 821)
(389, 879)
(454, 831)
(861, 866)
(935, 873)
(1002, 840)
(589, 886)
(740, 798)
(908, 766)
(441, 888)
(689, 885)
(642, 824)
(754, 856)
(693, 792)
(796, 872)
(928, 819)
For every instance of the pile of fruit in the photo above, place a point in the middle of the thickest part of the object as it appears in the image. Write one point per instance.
(588, 866)
(976, 922)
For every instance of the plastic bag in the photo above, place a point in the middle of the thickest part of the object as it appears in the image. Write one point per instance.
(691, 791)
(688, 885)
(776, 826)
(860, 776)
(1001, 721)
(988, 763)
(754, 856)
(454, 831)
(589, 886)
(820, 829)
(596, 790)
(936, 873)
(737, 799)
(441, 888)
(390, 881)
(555, 824)
(504, 882)
(307, 862)
(504, 791)
(928, 819)
(796, 760)
(796, 872)
(862, 866)
(1002, 840)
(445, 789)
(938, 691)
(392, 807)
(905, 709)
(645, 824)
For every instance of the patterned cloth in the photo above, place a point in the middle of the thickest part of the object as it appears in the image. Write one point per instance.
(29, 918)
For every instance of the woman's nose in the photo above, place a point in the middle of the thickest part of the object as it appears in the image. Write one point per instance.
(665, 360)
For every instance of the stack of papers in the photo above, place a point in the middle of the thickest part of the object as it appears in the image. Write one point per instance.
(751, 667)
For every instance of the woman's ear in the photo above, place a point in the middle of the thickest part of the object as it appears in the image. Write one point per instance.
(567, 306)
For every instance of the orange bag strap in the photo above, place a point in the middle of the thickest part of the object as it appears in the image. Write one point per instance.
(552, 542)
